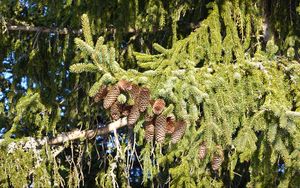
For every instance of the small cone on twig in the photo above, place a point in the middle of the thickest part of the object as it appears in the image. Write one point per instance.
(158, 106)
(133, 115)
(144, 99)
(149, 131)
(217, 159)
(111, 97)
(124, 85)
(102, 92)
(180, 127)
(202, 151)
(115, 110)
(160, 128)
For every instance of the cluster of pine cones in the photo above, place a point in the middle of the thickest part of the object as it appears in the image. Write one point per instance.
(217, 158)
(125, 99)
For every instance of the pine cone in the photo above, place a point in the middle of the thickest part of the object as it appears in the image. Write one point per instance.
(202, 151)
(134, 93)
(126, 110)
(170, 127)
(180, 127)
(218, 158)
(115, 110)
(124, 85)
(111, 97)
(133, 115)
(160, 128)
(144, 99)
(149, 131)
(216, 162)
(102, 92)
(158, 106)
(171, 117)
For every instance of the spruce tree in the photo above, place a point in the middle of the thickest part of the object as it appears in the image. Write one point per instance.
(196, 94)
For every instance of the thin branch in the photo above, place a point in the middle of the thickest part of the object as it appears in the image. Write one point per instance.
(63, 31)
(293, 114)
(77, 134)
(57, 151)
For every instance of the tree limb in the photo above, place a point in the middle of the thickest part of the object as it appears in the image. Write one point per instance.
(89, 134)
(63, 31)
(77, 134)
(293, 114)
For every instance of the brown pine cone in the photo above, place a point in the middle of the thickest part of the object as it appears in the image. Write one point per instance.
(216, 162)
(102, 92)
(171, 117)
(202, 151)
(111, 97)
(126, 110)
(160, 128)
(161, 120)
(218, 158)
(133, 115)
(179, 131)
(134, 93)
(170, 128)
(149, 131)
(115, 110)
(158, 106)
(124, 85)
(144, 99)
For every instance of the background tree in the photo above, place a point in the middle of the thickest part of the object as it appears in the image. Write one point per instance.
(223, 73)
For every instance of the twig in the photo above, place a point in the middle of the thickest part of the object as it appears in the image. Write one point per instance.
(57, 151)
(117, 143)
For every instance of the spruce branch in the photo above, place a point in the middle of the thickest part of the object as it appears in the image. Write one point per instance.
(31, 143)
(88, 134)
(79, 134)
(83, 46)
(293, 114)
(160, 49)
(87, 30)
(63, 31)
(83, 67)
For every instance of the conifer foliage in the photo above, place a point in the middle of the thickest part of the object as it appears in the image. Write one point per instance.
(235, 97)
(217, 106)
